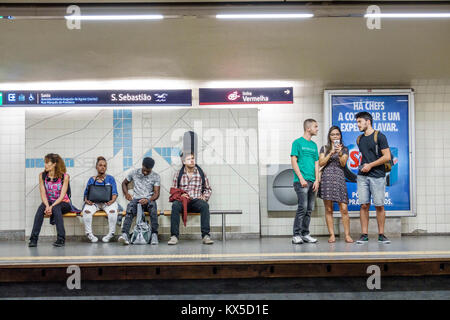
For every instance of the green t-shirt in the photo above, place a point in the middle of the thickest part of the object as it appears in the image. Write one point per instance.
(307, 154)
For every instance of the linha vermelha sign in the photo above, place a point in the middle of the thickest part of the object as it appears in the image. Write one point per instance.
(227, 96)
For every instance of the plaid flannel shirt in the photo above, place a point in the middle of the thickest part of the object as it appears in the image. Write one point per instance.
(193, 186)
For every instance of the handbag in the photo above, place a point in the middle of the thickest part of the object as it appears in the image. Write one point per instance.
(99, 193)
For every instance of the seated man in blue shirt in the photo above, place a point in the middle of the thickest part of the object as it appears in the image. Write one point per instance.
(110, 207)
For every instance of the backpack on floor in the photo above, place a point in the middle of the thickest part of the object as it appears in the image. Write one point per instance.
(142, 231)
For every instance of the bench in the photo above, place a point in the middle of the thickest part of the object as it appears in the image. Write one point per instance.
(166, 213)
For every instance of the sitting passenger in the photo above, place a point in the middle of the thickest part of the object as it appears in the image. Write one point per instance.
(195, 184)
(110, 207)
(55, 195)
(147, 184)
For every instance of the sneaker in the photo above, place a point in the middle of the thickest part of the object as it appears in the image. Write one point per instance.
(173, 240)
(207, 240)
(383, 239)
(364, 239)
(92, 238)
(108, 237)
(124, 239)
(32, 243)
(297, 240)
(59, 243)
(309, 239)
(154, 239)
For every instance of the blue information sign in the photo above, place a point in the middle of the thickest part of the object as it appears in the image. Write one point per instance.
(97, 98)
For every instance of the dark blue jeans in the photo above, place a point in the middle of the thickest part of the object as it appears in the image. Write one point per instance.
(56, 218)
(132, 212)
(306, 199)
(195, 205)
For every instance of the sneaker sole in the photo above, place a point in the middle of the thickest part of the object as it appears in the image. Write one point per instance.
(297, 242)
(122, 240)
(385, 242)
(361, 242)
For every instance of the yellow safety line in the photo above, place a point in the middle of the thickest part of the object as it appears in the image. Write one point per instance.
(230, 255)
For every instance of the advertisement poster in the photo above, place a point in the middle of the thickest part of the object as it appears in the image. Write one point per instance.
(391, 117)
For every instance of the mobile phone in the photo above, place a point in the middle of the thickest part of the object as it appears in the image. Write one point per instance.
(337, 143)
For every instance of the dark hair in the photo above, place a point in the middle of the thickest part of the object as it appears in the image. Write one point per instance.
(148, 162)
(307, 123)
(184, 155)
(60, 168)
(364, 115)
(329, 147)
(100, 159)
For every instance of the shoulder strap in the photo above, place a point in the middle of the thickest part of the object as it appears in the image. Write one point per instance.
(202, 175)
(180, 175)
(358, 139)
(375, 138)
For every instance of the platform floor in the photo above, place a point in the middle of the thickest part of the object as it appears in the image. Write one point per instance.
(250, 250)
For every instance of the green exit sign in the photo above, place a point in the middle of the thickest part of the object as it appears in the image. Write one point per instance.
(1, 98)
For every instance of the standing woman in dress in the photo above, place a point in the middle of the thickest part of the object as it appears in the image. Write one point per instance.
(53, 186)
(333, 188)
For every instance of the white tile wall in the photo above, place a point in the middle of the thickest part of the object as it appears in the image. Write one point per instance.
(235, 184)
(278, 126)
(12, 163)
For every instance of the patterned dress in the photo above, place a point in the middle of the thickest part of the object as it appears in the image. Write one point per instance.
(332, 185)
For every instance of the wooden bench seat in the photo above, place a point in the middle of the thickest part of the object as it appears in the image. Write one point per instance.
(224, 213)
(102, 213)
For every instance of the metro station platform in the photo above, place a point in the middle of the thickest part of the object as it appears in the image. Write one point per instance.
(274, 257)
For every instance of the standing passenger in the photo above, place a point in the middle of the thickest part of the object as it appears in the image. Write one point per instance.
(333, 188)
(305, 163)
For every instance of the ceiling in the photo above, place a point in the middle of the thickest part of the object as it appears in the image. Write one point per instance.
(338, 51)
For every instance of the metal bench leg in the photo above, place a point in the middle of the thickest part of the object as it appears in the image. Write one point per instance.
(224, 236)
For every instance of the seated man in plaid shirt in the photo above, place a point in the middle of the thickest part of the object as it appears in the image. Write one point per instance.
(198, 192)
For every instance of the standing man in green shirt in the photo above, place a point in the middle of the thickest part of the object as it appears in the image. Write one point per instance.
(305, 162)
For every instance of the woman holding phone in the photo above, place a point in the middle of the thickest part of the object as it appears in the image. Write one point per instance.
(109, 205)
(332, 159)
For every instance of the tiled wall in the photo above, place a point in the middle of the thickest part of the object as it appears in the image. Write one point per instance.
(125, 136)
(432, 101)
(278, 126)
(12, 164)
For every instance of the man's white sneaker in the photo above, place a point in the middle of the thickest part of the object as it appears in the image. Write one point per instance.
(108, 237)
(92, 238)
(124, 239)
(309, 239)
(297, 240)
(207, 240)
(154, 238)
(173, 240)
